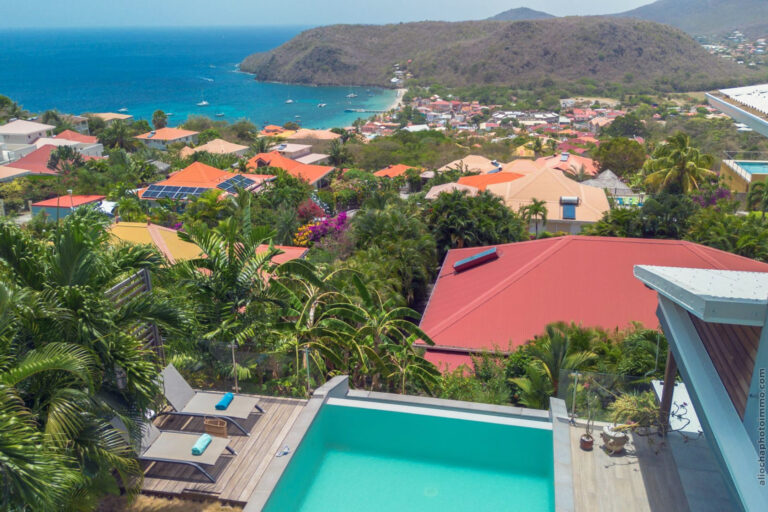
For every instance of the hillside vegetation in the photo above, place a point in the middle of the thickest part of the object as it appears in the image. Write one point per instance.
(638, 54)
(521, 14)
(705, 17)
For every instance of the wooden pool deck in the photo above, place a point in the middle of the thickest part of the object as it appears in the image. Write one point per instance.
(644, 479)
(236, 475)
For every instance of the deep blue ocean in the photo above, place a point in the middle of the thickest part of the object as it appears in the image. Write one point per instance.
(173, 69)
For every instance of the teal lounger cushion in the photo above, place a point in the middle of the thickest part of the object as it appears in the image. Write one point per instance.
(224, 402)
(201, 444)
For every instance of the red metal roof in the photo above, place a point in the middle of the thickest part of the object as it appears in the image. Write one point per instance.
(588, 280)
(66, 202)
(77, 137)
(37, 161)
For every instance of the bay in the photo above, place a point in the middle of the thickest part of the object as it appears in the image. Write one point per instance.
(172, 69)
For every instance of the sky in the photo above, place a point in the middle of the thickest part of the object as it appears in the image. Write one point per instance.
(112, 13)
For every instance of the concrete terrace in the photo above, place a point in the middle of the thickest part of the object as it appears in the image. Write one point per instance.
(236, 475)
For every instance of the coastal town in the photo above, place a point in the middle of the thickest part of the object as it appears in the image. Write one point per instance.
(546, 296)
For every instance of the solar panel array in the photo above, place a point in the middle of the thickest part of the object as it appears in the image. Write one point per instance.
(235, 181)
(754, 96)
(172, 192)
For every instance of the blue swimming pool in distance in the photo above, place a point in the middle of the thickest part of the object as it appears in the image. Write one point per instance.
(753, 167)
(369, 459)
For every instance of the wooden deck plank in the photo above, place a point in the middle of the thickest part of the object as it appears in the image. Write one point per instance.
(236, 476)
(645, 479)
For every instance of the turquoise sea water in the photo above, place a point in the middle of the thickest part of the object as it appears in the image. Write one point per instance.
(754, 167)
(100, 70)
(355, 459)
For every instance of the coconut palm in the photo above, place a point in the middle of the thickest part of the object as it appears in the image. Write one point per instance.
(536, 210)
(677, 166)
(262, 144)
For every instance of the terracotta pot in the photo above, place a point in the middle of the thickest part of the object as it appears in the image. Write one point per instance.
(586, 442)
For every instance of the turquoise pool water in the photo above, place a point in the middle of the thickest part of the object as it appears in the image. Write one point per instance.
(357, 459)
(754, 167)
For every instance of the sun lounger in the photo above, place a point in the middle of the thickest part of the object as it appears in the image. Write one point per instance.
(176, 447)
(188, 402)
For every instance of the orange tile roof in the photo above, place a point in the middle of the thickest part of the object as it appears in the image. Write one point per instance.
(68, 202)
(570, 165)
(393, 171)
(310, 173)
(481, 181)
(166, 134)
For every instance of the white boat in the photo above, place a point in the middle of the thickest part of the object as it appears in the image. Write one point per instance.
(123, 110)
(169, 114)
(351, 95)
(203, 104)
(322, 105)
(289, 101)
(219, 114)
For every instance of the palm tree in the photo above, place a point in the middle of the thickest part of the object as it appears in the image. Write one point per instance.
(159, 119)
(550, 355)
(677, 166)
(538, 146)
(579, 173)
(757, 198)
(262, 144)
(338, 154)
(118, 135)
(536, 210)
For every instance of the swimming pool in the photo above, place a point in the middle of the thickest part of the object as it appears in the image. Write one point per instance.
(753, 167)
(383, 457)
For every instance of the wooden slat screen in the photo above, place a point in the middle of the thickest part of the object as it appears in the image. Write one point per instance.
(732, 349)
(137, 284)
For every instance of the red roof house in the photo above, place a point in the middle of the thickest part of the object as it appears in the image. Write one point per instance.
(392, 171)
(37, 161)
(508, 298)
(77, 137)
(313, 174)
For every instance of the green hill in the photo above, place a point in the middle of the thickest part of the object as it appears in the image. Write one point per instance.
(521, 14)
(639, 54)
(705, 17)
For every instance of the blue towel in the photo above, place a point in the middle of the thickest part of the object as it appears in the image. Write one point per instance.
(224, 402)
(201, 444)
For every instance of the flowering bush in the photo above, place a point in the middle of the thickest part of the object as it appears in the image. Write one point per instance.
(309, 210)
(314, 231)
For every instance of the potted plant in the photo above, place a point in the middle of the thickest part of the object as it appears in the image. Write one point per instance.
(586, 441)
(630, 412)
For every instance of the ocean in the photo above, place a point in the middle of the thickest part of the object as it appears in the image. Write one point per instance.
(172, 69)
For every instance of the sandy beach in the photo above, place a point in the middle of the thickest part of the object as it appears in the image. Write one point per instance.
(398, 100)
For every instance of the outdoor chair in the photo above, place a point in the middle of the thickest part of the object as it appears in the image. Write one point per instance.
(188, 402)
(176, 447)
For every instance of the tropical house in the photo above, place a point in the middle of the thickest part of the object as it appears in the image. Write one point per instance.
(59, 207)
(36, 162)
(24, 132)
(216, 147)
(521, 166)
(197, 178)
(570, 205)
(312, 137)
(516, 289)
(86, 145)
(715, 322)
(163, 137)
(608, 181)
(302, 153)
(473, 163)
(315, 175)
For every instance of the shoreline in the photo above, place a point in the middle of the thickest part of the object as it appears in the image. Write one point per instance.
(397, 104)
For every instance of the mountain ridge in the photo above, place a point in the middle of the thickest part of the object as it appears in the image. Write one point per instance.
(636, 53)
